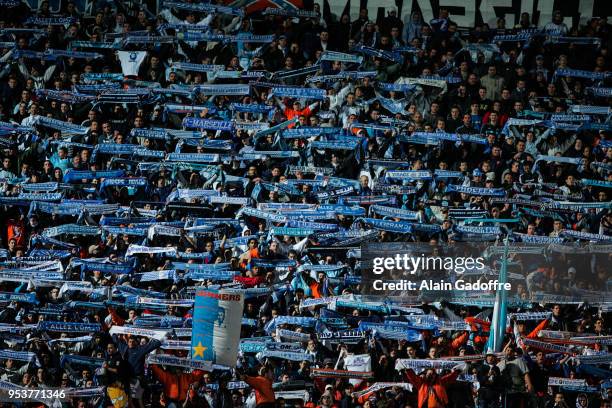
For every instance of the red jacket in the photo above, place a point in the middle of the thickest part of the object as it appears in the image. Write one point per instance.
(431, 395)
(264, 393)
(292, 113)
(176, 385)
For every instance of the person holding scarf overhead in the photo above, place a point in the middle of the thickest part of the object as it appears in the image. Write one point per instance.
(431, 387)
(262, 383)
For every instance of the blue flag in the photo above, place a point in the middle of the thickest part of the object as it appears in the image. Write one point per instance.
(500, 310)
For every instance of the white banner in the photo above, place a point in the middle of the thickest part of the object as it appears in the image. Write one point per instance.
(357, 362)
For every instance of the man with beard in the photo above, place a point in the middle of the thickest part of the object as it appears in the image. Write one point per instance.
(517, 380)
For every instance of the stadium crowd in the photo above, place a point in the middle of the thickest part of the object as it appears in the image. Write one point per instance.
(146, 155)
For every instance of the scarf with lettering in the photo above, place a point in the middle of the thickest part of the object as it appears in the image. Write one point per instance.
(478, 191)
(295, 92)
(46, 21)
(419, 364)
(205, 8)
(341, 57)
(586, 236)
(331, 373)
(69, 327)
(199, 123)
(285, 355)
(71, 229)
(292, 320)
(139, 249)
(173, 361)
(224, 89)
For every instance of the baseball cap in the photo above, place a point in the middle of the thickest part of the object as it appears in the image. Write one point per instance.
(477, 173)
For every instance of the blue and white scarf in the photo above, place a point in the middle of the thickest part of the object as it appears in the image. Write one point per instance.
(205, 7)
(391, 226)
(222, 89)
(291, 92)
(199, 123)
(193, 157)
(274, 11)
(69, 327)
(341, 57)
(47, 21)
(409, 174)
(173, 361)
(285, 355)
(419, 364)
(70, 229)
(393, 87)
(139, 249)
(478, 191)
(601, 92)
(62, 126)
(250, 108)
(587, 236)
(18, 297)
(579, 73)
(394, 212)
(187, 66)
(292, 320)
